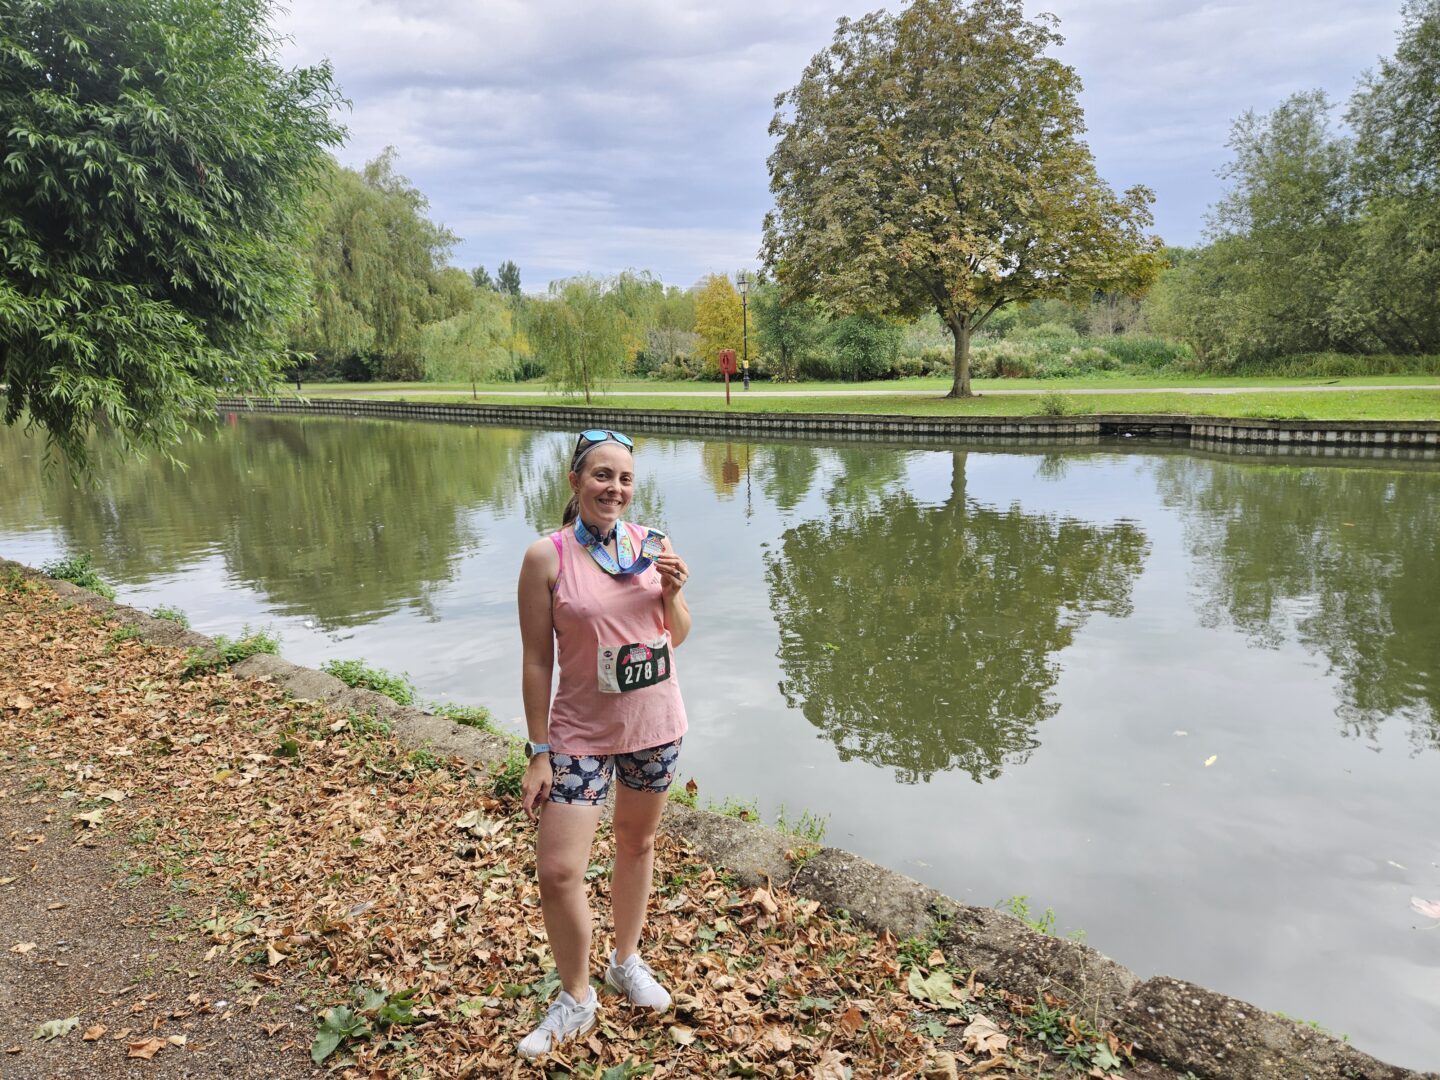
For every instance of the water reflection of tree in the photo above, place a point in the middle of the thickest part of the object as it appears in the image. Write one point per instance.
(924, 638)
(1341, 559)
(307, 511)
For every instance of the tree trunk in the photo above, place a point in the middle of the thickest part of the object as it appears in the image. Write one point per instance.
(960, 331)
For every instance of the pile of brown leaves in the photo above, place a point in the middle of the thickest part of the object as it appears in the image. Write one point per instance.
(315, 839)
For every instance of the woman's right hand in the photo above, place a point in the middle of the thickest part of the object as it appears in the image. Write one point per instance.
(535, 784)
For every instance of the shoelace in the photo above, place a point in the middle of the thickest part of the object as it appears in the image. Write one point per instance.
(641, 977)
(555, 1018)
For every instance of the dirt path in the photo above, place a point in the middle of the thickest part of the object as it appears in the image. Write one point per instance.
(115, 948)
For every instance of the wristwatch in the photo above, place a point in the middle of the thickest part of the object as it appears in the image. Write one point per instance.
(533, 748)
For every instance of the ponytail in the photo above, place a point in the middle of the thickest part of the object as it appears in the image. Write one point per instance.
(572, 511)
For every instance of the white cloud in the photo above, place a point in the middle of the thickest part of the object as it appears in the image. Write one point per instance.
(575, 137)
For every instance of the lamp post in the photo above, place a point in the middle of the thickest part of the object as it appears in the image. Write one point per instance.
(742, 280)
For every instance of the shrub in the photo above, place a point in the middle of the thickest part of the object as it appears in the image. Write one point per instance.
(77, 570)
(907, 367)
(506, 775)
(474, 716)
(937, 361)
(1046, 331)
(173, 614)
(356, 674)
(226, 651)
(1054, 403)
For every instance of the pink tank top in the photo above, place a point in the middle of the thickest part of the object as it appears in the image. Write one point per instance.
(619, 690)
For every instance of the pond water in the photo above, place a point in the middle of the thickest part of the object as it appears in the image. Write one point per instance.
(1190, 701)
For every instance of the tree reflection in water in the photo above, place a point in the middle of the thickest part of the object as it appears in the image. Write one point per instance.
(924, 638)
(289, 508)
(1338, 557)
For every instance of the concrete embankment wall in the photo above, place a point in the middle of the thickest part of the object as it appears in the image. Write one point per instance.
(1185, 1026)
(1397, 438)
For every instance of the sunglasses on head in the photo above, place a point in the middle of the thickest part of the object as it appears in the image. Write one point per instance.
(598, 435)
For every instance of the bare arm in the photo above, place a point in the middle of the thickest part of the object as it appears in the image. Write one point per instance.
(537, 639)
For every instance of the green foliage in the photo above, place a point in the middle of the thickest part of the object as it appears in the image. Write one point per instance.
(1324, 243)
(156, 158)
(864, 346)
(1019, 906)
(1054, 403)
(505, 776)
(933, 160)
(790, 335)
(1071, 1038)
(808, 826)
(172, 614)
(684, 795)
(226, 651)
(128, 632)
(375, 1012)
(377, 266)
(78, 570)
(474, 716)
(581, 332)
(473, 345)
(507, 278)
(356, 673)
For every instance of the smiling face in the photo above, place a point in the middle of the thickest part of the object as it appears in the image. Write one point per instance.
(604, 484)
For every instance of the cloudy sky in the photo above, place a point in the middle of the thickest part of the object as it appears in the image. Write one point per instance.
(577, 137)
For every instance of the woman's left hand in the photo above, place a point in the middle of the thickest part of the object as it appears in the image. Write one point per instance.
(673, 573)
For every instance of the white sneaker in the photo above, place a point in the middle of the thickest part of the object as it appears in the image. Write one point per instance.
(565, 1018)
(637, 982)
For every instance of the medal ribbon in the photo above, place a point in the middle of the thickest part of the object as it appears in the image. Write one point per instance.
(629, 563)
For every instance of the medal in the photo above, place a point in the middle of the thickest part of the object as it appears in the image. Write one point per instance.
(629, 563)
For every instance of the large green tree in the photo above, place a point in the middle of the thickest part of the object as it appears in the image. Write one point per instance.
(933, 160)
(155, 158)
(378, 269)
(1392, 285)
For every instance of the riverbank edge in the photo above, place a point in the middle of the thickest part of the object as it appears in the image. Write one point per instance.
(1387, 437)
(1176, 1023)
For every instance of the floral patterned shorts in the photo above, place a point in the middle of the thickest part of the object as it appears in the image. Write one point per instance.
(585, 780)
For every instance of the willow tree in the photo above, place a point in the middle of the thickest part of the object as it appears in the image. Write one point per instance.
(156, 155)
(933, 160)
(580, 332)
(377, 263)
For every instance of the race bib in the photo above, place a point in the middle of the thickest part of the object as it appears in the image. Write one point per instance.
(640, 664)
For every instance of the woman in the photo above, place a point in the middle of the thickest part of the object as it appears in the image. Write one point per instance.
(607, 596)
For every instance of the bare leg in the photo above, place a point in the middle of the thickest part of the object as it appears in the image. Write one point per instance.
(637, 815)
(562, 852)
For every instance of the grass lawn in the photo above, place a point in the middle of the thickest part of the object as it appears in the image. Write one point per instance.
(929, 384)
(1358, 404)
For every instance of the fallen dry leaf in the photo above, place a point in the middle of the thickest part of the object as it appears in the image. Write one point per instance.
(93, 1032)
(22, 947)
(982, 1036)
(20, 702)
(831, 1066)
(683, 1036)
(146, 1049)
